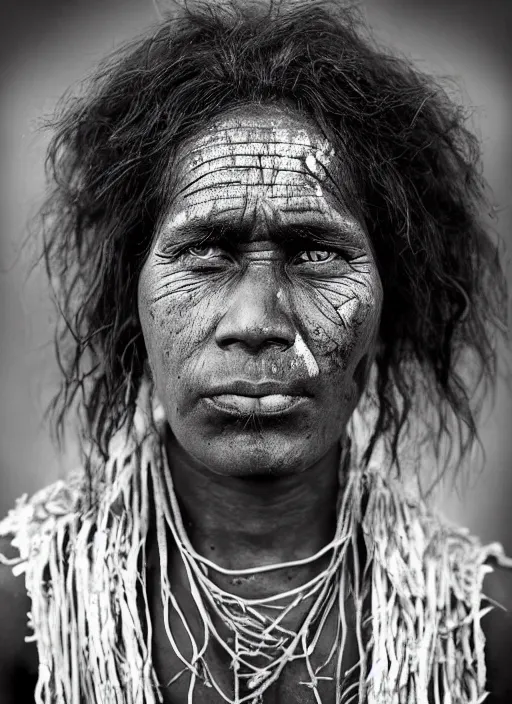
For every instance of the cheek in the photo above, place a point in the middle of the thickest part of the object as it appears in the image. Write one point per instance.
(341, 319)
(175, 310)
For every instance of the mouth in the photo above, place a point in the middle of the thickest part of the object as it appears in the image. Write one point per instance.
(244, 398)
(268, 404)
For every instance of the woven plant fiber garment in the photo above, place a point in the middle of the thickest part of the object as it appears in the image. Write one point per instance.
(82, 566)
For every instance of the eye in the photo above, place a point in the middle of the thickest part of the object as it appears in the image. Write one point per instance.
(315, 256)
(206, 251)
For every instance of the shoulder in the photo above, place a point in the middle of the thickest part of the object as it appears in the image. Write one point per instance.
(18, 659)
(454, 557)
(497, 627)
(24, 530)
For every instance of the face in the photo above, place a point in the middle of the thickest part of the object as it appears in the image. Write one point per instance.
(260, 298)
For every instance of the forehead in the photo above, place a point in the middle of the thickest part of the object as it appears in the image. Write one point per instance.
(257, 165)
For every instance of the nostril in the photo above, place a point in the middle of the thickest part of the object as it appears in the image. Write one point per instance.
(254, 340)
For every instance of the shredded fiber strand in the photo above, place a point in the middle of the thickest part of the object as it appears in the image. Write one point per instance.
(84, 568)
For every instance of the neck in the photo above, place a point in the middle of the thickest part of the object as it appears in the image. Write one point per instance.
(239, 523)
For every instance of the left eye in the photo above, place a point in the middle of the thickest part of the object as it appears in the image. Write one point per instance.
(316, 256)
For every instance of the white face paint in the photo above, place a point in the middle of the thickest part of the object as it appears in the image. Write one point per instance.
(260, 297)
(305, 354)
(241, 166)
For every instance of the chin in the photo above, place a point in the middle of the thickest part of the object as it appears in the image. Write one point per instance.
(250, 446)
(260, 455)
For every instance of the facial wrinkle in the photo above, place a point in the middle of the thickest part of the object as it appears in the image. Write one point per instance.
(177, 282)
(265, 213)
(332, 331)
(245, 162)
(332, 302)
(348, 310)
(274, 181)
(242, 169)
(247, 305)
(290, 201)
(286, 197)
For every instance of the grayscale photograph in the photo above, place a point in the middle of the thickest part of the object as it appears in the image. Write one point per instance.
(255, 357)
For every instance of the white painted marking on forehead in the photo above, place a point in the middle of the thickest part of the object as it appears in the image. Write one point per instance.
(312, 163)
(303, 351)
(261, 131)
(234, 140)
(322, 157)
(325, 154)
(234, 164)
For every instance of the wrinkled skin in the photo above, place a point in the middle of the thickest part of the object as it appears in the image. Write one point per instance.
(259, 273)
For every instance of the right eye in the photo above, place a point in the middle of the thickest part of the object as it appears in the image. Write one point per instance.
(206, 251)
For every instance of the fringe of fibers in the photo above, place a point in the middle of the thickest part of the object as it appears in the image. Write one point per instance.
(84, 570)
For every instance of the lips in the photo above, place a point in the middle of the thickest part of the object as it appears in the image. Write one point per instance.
(242, 397)
(246, 405)
(258, 388)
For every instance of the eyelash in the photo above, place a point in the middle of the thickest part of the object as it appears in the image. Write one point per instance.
(332, 254)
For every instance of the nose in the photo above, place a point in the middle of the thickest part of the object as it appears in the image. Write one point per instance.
(257, 315)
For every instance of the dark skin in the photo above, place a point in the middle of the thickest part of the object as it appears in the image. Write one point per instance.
(260, 284)
(260, 304)
(259, 341)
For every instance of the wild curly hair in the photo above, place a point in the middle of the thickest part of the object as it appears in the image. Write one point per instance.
(417, 179)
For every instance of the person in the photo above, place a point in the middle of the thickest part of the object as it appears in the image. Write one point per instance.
(268, 246)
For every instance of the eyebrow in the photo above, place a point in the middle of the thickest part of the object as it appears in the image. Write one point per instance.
(282, 234)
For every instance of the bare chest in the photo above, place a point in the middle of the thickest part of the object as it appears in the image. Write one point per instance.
(171, 637)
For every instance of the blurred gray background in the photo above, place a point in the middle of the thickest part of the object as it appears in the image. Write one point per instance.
(46, 47)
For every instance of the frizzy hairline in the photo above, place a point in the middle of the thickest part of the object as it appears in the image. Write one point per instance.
(416, 170)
